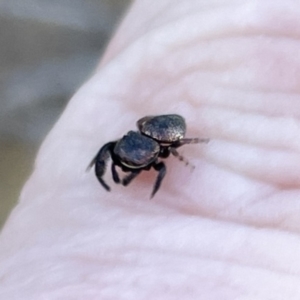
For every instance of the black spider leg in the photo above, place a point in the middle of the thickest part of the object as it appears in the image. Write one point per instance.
(100, 162)
(127, 179)
(115, 174)
(161, 169)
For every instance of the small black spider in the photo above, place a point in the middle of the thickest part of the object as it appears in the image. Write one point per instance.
(158, 136)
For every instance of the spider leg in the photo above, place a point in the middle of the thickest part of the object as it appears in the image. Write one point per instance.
(161, 169)
(191, 141)
(91, 164)
(115, 174)
(184, 142)
(180, 157)
(127, 179)
(100, 162)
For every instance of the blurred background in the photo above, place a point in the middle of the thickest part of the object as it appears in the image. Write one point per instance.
(48, 49)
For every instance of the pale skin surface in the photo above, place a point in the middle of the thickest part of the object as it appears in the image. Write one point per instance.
(227, 230)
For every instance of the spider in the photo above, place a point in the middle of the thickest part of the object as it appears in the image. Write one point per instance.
(158, 137)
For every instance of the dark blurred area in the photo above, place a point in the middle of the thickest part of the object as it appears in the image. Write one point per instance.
(48, 49)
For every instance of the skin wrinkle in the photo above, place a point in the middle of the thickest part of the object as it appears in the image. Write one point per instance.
(173, 18)
(276, 133)
(165, 87)
(220, 212)
(167, 84)
(222, 257)
(254, 218)
(226, 60)
(223, 212)
(259, 89)
(236, 32)
(230, 261)
(160, 87)
(272, 106)
(155, 91)
(241, 265)
(256, 157)
(150, 25)
(235, 27)
(277, 222)
(267, 106)
(281, 220)
(87, 242)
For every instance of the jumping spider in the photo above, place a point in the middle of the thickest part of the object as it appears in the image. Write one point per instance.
(158, 137)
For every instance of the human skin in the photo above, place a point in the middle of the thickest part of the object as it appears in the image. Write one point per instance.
(229, 229)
